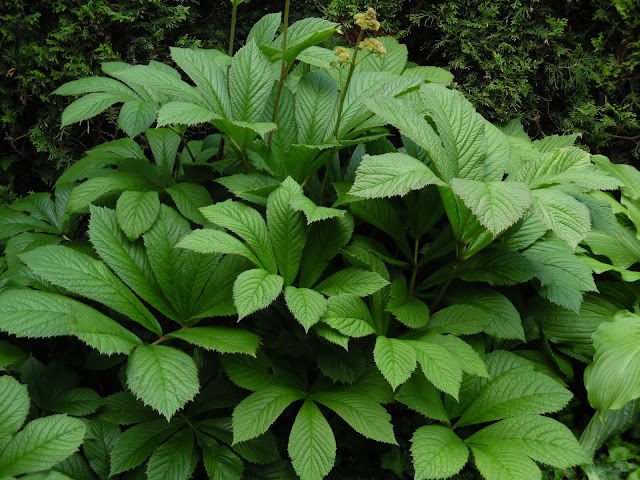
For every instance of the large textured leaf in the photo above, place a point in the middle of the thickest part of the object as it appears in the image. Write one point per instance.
(97, 188)
(89, 106)
(395, 358)
(540, 438)
(172, 460)
(391, 174)
(496, 463)
(95, 84)
(254, 290)
(497, 205)
(516, 393)
(349, 315)
(316, 100)
(164, 144)
(215, 241)
(136, 116)
(136, 212)
(365, 416)
(265, 29)
(248, 224)
(497, 266)
(14, 406)
(437, 452)
(250, 81)
(352, 281)
(185, 113)
(287, 229)
(85, 276)
(307, 306)
(41, 444)
(98, 442)
(613, 379)
(440, 366)
(220, 462)
(189, 198)
(421, 396)
(407, 309)
(34, 314)
(468, 359)
(312, 446)
(255, 414)
(563, 214)
(219, 339)
(162, 377)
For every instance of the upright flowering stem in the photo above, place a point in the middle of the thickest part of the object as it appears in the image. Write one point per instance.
(343, 94)
(283, 69)
(232, 34)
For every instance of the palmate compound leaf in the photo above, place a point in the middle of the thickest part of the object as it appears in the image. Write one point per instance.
(312, 445)
(81, 274)
(540, 438)
(254, 290)
(219, 339)
(391, 174)
(162, 377)
(41, 444)
(352, 281)
(497, 205)
(136, 212)
(255, 414)
(516, 393)
(35, 314)
(173, 459)
(395, 358)
(437, 452)
(306, 305)
(613, 379)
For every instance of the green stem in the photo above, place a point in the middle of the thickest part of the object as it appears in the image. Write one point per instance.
(343, 94)
(414, 274)
(184, 142)
(160, 340)
(283, 68)
(445, 286)
(240, 152)
(232, 37)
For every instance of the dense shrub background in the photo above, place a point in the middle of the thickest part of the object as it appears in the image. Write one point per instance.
(559, 66)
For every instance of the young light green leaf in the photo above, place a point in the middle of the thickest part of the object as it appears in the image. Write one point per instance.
(250, 82)
(542, 439)
(365, 416)
(215, 241)
(349, 315)
(136, 212)
(255, 414)
(14, 406)
(312, 445)
(172, 460)
(162, 377)
(395, 358)
(90, 278)
(35, 314)
(514, 393)
(497, 205)
(41, 444)
(437, 452)
(219, 339)
(307, 306)
(254, 290)
(391, 174)
(352, 281)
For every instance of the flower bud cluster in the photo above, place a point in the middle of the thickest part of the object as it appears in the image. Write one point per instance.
(344, 57)
(374, 46)
(367, 20)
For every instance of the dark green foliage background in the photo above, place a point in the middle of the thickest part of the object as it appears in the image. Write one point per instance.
(559, 66)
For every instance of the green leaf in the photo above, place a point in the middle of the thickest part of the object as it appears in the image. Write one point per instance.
(459, 319)
(35, 314)
(219, 339)
(316, 100)
(437, 452)
(202, 67)
(394, 61)
(540, 438)
(287, 230)
(395, 358)
(41, 444)
(265, 29)
(98, 443)
(220, 462)
(136, 116)
(88, 106)
(349, 315)
(467, 357)
(353, 281)
(92, 279)
(497, 266)
(254, 290)
(14, 407)
(189, 198)
(407, 309)
(250, 82)
(185, 113)
(172, 460)
(302, 35)
(365, 416)
(307, 306)
(9, 354)
(255, 414)
(215, 241)
(430, 74)
(313, 212)
(515, 393)
(420, 395)
(95, 84)
(164, 144)
(439, 366)
(95, 189)
(612, 379)
(136, 212)
(563, 214)
(312, 445)
(248, 224)
(391, 174)
(162, 377)
(127, 259)
(136, 444)
(496, 463)
(77, 402)
(497, 205)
